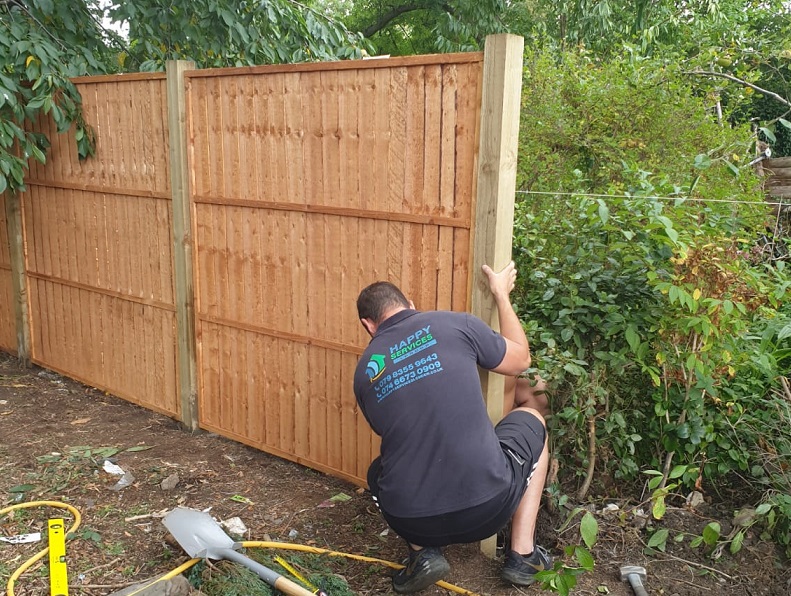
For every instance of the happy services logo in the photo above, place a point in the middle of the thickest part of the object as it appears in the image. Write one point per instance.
(376, 366)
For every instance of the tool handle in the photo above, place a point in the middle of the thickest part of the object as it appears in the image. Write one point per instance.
(273, 578)
(286, 586)
(637, 585)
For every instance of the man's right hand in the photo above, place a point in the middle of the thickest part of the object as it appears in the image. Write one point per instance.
(503, 282)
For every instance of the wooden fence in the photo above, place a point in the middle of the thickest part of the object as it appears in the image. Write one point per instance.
(205, 263)
(778, 173)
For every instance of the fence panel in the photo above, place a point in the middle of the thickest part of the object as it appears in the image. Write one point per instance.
(7, 316)
(99, 247)
(308, 183)
(778, 182)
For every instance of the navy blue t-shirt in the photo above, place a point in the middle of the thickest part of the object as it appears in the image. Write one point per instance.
(418, 386)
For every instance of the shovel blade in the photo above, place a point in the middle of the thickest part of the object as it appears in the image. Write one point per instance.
(198, 534)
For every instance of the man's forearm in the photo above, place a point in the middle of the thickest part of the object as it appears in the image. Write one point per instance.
(511, 326)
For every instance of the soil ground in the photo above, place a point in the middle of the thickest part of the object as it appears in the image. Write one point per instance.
(56, 433)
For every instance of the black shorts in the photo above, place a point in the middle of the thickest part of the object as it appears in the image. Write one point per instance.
(522, 437)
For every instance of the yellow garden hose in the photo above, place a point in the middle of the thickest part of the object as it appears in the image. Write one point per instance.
(181, 568)
(32, 560)
(331, 553)
(305, 549)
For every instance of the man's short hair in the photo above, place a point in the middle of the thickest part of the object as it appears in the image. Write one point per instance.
(375, 300)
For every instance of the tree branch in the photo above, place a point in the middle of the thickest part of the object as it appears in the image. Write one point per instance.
(385, 19)
(32, 17)
(583, 491)
(772, 94)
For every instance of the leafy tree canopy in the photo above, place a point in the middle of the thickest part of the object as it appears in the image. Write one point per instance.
(45, 42)
(403, 27)
(725, 45)
(217, 33)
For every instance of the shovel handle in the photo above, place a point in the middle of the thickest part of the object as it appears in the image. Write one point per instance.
(273, 578)
(637, 585)
(286, 586)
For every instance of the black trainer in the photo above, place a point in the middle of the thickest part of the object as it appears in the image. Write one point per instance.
(423, 568)
(521, 570)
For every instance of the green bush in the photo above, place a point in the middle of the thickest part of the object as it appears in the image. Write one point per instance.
(659, 328)
(582, 118)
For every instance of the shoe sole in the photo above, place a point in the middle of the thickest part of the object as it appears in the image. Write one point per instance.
(518, 579)
(429, 579)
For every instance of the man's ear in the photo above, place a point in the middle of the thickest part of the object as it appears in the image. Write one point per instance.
(370, 326)
(412, 305)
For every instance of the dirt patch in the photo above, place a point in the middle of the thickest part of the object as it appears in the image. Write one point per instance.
(56, 434)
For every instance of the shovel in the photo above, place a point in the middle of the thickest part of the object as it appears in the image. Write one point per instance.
(203, 538)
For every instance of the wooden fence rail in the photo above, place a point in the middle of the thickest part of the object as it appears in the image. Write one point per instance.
(206, 262)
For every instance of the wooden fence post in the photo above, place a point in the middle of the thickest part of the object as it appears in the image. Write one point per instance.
(16, 246)
(496, 185)
(182, 242)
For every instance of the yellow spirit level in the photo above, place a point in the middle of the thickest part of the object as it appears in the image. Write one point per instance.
(58, 579)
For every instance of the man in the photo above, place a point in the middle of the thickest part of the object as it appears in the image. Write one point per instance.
(445, 475)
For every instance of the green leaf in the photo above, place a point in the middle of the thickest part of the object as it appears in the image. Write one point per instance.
(574, 369)
(702, 161)
(736, 543)
(763, 508)
(677, 471)
(784, 122)
(734, 170)
(139, 448)
(21, 488)
(632, 338)
(659, 508)
(659, 539)
(589, 529)
(570, 517)
(604, 212)
(585, 558)
(770, 136)
(38, 154)
(711, 533)
(105, 451)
